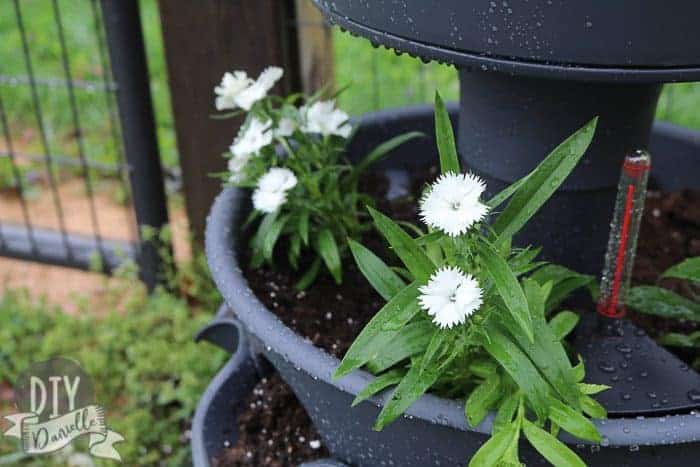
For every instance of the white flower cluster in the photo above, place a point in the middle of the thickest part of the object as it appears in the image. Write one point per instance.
(452, 204)
(238, 90)
(272, 188)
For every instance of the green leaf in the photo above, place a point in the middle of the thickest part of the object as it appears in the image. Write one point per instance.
(399, 310)
(383, 149)
(543, 182)
(508, 287)
(491, 452)
(556, 452)
(378, 384)
(662, 302)
(592, 408)
(547, 352)
(482, 399)
(328, 250)
(505, 193)
(563, 323)
(689, 269)
(505, 413)
(520, 368)
(444, 135)
(579, 371)
(271, 235)
(410, 389)
(483, 368)
(572, 421)
(404, 246)
(408, 341)
(304, 226)
(674, 339)
(565, 281)
(592, 388)
(309, 276)
(384, 280)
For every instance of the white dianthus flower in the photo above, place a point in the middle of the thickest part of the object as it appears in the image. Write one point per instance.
(452, 203)
(252, 138)
(285, 127)
(257, 90)
(236, 165)
(271, 192)
(232, 84)
(322, 117)
(450, 296)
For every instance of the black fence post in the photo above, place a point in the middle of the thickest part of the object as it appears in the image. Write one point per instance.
(128, 57)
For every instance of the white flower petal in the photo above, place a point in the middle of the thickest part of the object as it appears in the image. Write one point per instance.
(450, 296)
(252, 138)
(452, 203)
(258, 90)
(268, 201)
(271, 192)
(285, 127)
(322, 117)
(232, 84)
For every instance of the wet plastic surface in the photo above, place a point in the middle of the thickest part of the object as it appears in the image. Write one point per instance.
(623, 41)
(434, 430)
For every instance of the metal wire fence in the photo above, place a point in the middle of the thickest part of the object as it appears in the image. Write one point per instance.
(61, 136)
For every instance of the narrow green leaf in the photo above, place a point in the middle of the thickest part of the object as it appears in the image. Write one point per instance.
(482, 399)
(449, 160)
(491, 452)
(508, 287)
(563, 323)
(505, 413)
(674, 339)
(304, 226)
(505, 193)
(404, 246)
(410, 389)
(662, 302)
(408, 341)
(379, 384)
(579, 371)
(483, 368)
(547, 352)
(294, 250)
(593, 408)
(383, 149)
(400, 309)
(689, 269)
(589, 389)
(564, 282)
(271, 235)
(328, 249)
(520, 368)
(556, 452)
(543, 182)
(384, 280)
(309, 276)
(572, 421)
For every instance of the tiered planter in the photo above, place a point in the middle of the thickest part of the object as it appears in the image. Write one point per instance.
(531, 73)
(435, 431)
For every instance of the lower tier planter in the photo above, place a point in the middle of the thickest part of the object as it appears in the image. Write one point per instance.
(434, 430)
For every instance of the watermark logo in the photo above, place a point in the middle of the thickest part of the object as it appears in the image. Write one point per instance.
(56, 406)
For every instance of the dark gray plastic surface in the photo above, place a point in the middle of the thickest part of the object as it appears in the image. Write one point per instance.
(434, 431)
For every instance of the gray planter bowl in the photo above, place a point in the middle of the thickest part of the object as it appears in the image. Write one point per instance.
(434, 430)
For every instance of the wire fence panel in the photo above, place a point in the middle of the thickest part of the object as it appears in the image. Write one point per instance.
(65, 181)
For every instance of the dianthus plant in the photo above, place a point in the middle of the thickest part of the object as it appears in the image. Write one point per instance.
(468, 316)
(289, 152)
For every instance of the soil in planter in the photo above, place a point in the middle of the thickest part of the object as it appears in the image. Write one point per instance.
(274, 430)
(670, 232)
(329, 315)
(332, 316)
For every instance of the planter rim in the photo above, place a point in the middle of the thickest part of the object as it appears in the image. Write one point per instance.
(221, 246)
(513, 65)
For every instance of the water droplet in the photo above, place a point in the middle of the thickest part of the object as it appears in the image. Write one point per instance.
(623, 348)
(608, 367)
(694, 395)
(626, 396)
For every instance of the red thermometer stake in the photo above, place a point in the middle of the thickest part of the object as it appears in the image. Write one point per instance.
(624, 230)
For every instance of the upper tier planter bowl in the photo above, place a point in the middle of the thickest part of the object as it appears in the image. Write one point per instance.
(434, 431)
